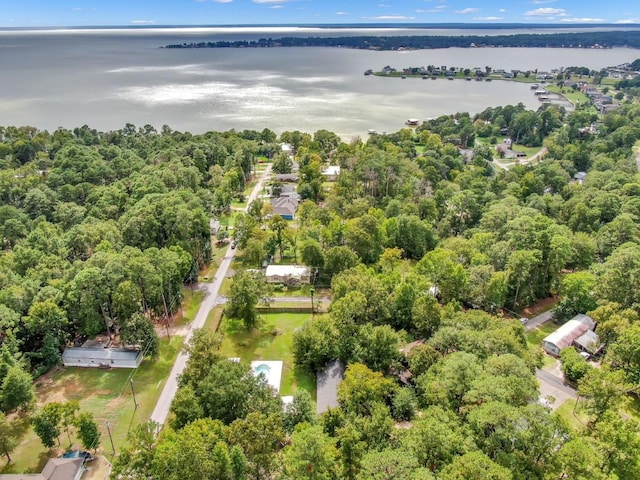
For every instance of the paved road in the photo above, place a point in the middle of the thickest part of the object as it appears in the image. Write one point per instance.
(212, 289)
(551, 385)
(535, 322)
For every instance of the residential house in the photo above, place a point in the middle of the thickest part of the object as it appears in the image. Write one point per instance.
(565, 335)
(214, 226)
(101, 357)
(55, 469)
(580, 176)
(285, 206)
(288, 274)
(331, 173)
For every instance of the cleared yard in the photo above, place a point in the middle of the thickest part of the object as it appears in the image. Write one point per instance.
(104, 393)
(271, 340)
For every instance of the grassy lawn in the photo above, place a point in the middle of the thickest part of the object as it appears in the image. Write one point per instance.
(191, 300)
(106, 394)
(535, 336)
(573, 416)
(262, 344)
(214, 318)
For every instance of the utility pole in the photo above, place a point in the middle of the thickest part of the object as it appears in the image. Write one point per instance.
(113, 448)
(312, 290)
(135, 404)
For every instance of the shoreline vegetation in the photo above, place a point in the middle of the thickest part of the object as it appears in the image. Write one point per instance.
(609, 39)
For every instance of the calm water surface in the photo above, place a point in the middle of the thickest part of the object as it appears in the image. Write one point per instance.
(106, 78)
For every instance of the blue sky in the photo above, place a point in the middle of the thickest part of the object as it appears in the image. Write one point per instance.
(26, 13)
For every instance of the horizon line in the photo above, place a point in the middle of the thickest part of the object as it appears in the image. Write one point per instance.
(410, 25)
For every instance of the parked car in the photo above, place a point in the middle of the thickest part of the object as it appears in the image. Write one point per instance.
(234, 244)
(524, 320)
(78, 454)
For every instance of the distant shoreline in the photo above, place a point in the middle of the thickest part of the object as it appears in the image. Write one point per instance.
(581, 40)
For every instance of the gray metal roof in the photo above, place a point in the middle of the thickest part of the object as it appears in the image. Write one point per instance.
(328, 381)
(589, 341)
(567, 333)
(100, 353)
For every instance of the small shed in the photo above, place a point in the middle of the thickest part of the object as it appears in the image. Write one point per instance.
(588, 342)
(101, 357)
(214, 226)
(288, 274)
(328, 381)
(567, 334)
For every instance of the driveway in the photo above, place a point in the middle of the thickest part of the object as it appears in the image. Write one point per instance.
(536, 321)
(552, 385)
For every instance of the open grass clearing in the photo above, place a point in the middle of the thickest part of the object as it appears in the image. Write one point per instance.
(534, 337)
(271, 340)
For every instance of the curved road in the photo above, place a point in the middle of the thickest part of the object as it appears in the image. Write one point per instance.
(161, 410)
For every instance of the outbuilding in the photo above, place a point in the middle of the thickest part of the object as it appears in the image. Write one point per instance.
(328, 381)
(101, 357)
(565, 335)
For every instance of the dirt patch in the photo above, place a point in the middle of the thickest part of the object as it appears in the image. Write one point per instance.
(539, 307)
(98, 469)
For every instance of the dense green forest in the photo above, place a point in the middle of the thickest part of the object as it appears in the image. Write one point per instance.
(550, 40)
(100, 230)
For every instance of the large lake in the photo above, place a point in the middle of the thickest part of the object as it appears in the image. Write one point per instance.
(106, 78)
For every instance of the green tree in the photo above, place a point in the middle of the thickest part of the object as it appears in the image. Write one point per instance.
(185, 408)
(392, 464)
(8, 440)
(436, 438)
(139, 331)
(46, 423)
(603, 390)
(405, 404)
(17, 390)
(474, 465)
(576, 295)
(574, 366)
(260, 436)
(300, 410)
(362, 387)
(88, 432)
(246, 291)
(311, 455)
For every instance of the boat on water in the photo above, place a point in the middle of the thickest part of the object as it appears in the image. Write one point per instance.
(371, 131)
(368, 72)
(412, 122)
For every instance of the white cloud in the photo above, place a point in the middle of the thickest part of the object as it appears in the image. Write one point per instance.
(628, 20)
(545, 12)
(542, 2)
(342, 13)
(584, 20)
(467, 10)
(502, 10)
(143, 22)
(222, 1)
(81, 9)
(421, 11)
(270, 1)
(277, 6)
(384, 5)
(390, 17)
(487, 19)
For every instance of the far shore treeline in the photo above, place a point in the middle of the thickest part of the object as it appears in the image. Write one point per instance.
(553, 40)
